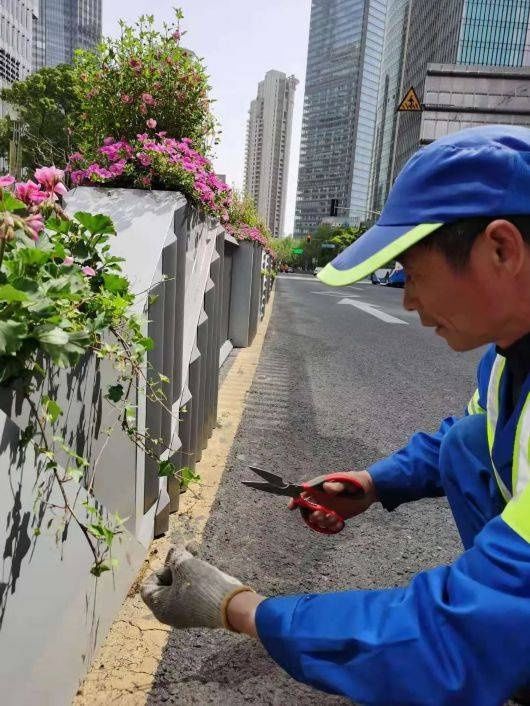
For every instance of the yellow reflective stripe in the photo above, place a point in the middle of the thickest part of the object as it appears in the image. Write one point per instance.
(517, 513)
(521, 459)
(493, 416)
(474, 405)
(340, 278)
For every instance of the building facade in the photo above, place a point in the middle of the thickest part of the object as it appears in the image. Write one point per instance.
(478, 32)
(16, 42)
(62, 27)
(458, 97)
(340, 104)
(268, 147)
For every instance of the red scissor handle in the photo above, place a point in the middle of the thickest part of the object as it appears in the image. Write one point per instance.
(320, 501)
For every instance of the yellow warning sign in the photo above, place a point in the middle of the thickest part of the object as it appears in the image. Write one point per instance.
(411, 102)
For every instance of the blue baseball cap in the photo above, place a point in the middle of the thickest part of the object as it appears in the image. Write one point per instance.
(481, 171)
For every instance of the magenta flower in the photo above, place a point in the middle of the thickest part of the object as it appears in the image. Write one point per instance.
(108, 140)
(151, 123)
(126, 98)
(88, 271)
(30, 193)
(6, 181)
(68, 261)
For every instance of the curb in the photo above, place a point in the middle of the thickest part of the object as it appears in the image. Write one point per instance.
(125, 666)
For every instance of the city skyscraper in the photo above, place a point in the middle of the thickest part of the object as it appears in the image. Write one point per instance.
(268, 147)
(62, 27)
(16, 42)
(477, 32)
(340, 103)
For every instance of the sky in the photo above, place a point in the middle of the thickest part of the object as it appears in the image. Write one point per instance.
(240, 40)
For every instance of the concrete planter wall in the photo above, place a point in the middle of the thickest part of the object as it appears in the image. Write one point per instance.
(209, 294)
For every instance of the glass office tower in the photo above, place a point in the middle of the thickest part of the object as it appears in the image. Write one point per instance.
(478, 32)
(62, 27)
(16, 36)
(340, 103)
(495, 33)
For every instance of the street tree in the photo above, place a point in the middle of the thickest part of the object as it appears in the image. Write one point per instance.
(46, 106)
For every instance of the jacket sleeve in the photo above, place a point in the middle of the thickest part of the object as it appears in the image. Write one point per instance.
(413, 472)
(457, 635)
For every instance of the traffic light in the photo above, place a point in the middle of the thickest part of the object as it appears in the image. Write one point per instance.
(308, 239)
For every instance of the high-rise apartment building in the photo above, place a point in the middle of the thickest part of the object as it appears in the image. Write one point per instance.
(268, 147)
(16, 36)
(62, 27)
(478, 32)
(340, 103)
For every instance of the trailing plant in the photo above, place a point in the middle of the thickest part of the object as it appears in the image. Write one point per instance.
(63, 296)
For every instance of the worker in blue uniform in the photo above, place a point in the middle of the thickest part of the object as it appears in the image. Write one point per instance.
(458, 219)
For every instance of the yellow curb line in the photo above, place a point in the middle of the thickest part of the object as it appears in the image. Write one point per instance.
(124, 669)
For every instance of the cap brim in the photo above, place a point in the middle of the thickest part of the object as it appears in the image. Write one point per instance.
(376, 247)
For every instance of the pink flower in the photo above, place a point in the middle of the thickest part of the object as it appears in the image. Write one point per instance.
(162, 134)
(108, 140)
(151, 123)
(50, 178)
(68, 261)
(30, 193)
(88, 271)
(78, 177)
(148, 99)
(126, 98)
(143, 109)
(6, 181)
(34, 225)
(136, 65)
(176, 35)
(144, 159)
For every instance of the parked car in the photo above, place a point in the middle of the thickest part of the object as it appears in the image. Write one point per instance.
(392, 278)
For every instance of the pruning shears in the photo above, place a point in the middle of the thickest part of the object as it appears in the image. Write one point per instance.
(309, 496)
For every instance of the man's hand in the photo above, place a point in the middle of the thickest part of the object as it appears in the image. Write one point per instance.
(344, 500)
(190, 593)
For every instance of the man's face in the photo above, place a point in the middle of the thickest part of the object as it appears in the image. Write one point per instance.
(467, 307)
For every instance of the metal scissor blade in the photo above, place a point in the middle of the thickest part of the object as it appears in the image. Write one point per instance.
(292, 491)
(268, 476)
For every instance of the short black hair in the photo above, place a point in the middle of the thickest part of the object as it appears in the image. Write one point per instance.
(455, 240)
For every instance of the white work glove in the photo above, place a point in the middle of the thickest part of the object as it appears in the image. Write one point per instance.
(190, 593)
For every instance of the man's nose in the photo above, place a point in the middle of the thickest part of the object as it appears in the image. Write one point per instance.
(410, 302)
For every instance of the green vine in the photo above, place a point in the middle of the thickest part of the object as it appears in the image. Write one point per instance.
(63, 296)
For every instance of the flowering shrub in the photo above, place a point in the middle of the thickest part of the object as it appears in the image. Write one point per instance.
(143, 79)
(245, 223)
(155, 161)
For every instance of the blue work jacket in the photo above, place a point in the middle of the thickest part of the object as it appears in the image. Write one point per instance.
(457, 634)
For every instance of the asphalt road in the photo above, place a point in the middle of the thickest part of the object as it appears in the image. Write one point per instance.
(337, 387)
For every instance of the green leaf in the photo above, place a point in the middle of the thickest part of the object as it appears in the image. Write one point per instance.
(96, 224)
(12, 335)
(9, 203)
(166, 469)
(115, 393)
(9, 294)
(188, 476)
(52, 336)
(115, 284)
(33, 256)
(51, 408)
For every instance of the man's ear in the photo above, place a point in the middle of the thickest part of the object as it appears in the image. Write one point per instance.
(506, 245)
